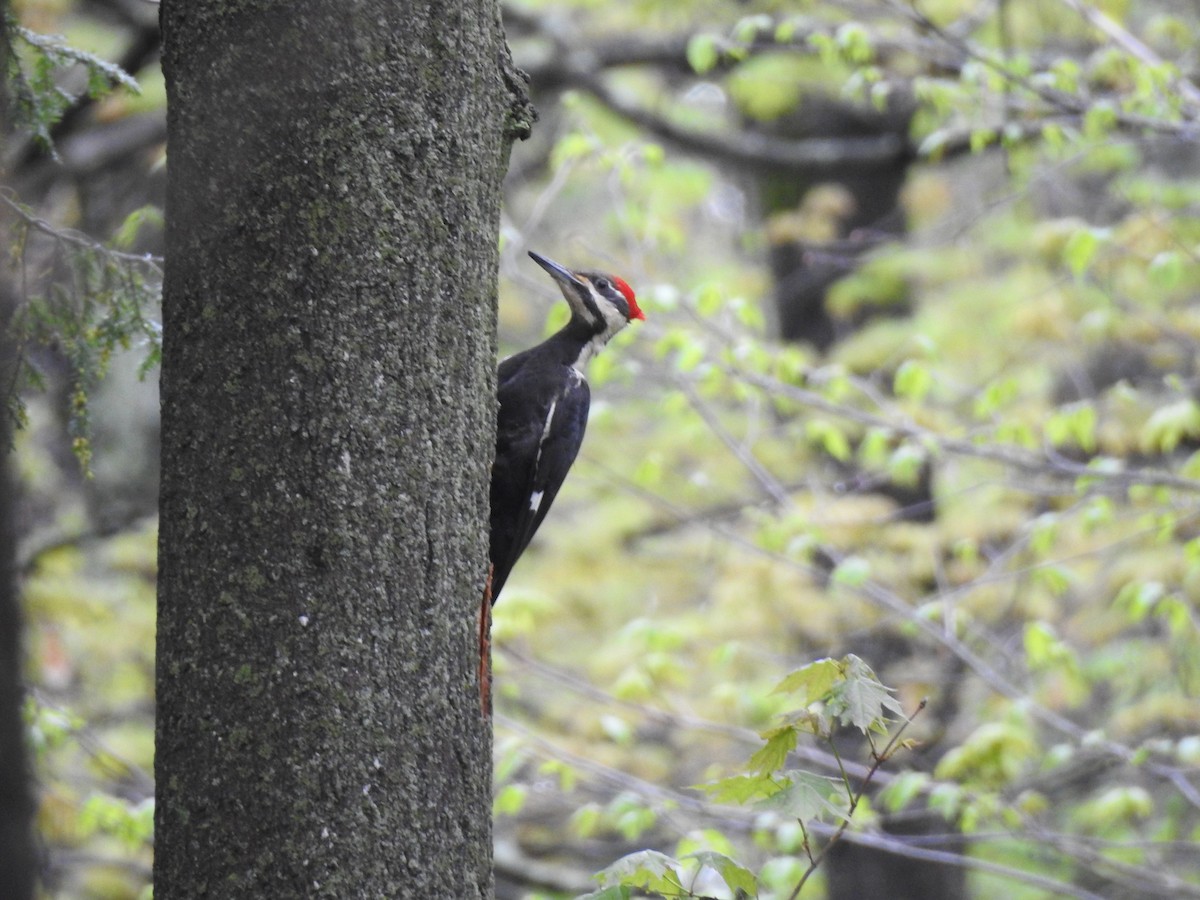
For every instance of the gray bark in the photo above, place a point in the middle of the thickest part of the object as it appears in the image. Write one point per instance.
(328, 418)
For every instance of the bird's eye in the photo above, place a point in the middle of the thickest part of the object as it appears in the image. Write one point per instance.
(602, 284)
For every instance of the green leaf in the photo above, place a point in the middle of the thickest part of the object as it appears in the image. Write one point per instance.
(933, 145)
(509, 800)
(1081, 249)
(1054, 135)
(710, 298)
(1100, 119)
(1073, 424)
(981, 138)
(1170, 425)
(1044, 648)
(644, 869)
(806, 795)
(853, 571)
(1066, 74)
(128, 231)
(785, 31)
(630, 815)
(749, 28)
(586, 820)
(996, 394)
(691, 354)
(861, 700)
(912, 380)
(829, 438)
(1166, 269)
(34, 72)
(701, 839)
(905, 464)
(567, 775)
(130, 823)
(1117, 805)
(902, 790)
(811, 682)
(616, 729)
(771, 757)
(1139, 598)
(1177, 613)
(1043, 533)
(703, 53)
(854, 42)
(736, 876)
(571, 147)
(994, 753)
(1055, 579)
(1191, 468)
(946, 799)
(874, 448)
(739, 788)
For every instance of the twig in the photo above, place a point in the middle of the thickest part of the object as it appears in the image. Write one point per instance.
(855, 799)
(1102, 22)
(770, 485)
(74, 238)
(1058, 467)
(1076, 105)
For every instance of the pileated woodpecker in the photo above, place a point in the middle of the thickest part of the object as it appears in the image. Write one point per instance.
(544, 400)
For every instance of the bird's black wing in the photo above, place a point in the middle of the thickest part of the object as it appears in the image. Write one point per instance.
(535, 448)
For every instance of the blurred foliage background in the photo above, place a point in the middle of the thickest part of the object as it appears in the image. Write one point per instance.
(918, 383)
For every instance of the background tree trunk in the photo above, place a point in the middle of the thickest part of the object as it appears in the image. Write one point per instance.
(16, 796)
(17, 864)
(327, 386)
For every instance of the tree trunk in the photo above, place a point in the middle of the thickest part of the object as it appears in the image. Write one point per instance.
(804, 274)
(17, 869)
(17, 865)
(328, 419)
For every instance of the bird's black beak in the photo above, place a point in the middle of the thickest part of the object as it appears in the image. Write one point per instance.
(561, 274)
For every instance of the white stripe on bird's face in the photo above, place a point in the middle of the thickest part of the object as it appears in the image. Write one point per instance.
(603, 302)
(611, 321)
(614, 318)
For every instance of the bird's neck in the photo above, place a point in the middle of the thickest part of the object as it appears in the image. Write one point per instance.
(579, 342)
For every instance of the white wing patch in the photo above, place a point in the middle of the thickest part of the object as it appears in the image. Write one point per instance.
(546, 427)
(535, 499)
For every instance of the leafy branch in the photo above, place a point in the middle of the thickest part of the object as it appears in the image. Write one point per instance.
(668, 805)
(84, 298)
(81, 241)
(37, 66)
(878, 757)
(832, 694)
(81, 297)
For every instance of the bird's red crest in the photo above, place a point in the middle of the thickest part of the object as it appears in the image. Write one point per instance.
(635, 311)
